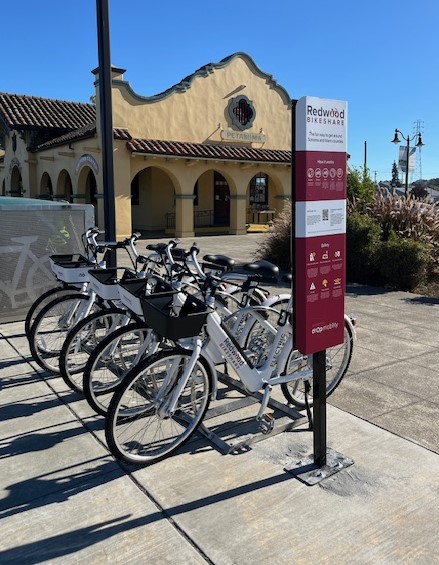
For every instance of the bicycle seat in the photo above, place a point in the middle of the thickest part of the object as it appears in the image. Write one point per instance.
(221, 260)
(263, 269)
(157, 247)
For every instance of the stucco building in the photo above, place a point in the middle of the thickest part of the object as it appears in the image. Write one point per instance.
(210, 154)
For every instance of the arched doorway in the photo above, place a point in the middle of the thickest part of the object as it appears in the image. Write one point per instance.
(221, 200)
(86, 190)
(64, 186)
(211, 200)
(46, 190)
(152, 200)
(16, 182)
(91, 189)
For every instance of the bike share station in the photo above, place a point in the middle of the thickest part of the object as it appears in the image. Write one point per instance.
(319, 224)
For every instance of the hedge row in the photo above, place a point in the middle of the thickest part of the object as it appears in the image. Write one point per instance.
(398, 263)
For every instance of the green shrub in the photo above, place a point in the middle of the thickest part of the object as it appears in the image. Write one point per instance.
(363, 239)
(404, 217)
(385, 245)
(403, 263)
(360, 185)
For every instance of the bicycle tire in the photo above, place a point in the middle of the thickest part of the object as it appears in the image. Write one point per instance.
(82, 339)
(338, 359)
(135, 432)
(42, 301)
(110, 362)
(50, 329)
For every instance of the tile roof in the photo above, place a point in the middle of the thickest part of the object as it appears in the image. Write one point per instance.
(75, 135)
(208, 151)
(30, 112)
(120, 134)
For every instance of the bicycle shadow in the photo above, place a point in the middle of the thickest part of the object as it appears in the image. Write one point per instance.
(33, 493)
(428, 300)
(71, 542)
(35, 405)
(26, 443)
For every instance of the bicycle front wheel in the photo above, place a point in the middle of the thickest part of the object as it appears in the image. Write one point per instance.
(82, 340)
(338, 359)
(138, 429)
(41, 302)
(51, 326)
(110, 362)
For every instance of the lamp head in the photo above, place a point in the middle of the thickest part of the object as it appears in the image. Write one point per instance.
(396, 138)
(419, 144)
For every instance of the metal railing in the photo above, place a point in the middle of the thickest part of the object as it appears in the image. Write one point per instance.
(202, 218)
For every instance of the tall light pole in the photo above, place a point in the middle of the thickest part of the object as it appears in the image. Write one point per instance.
(106, 116)
(408, 139)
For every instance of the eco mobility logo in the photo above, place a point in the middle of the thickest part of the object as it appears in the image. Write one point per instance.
(327, 327)
(328, 116)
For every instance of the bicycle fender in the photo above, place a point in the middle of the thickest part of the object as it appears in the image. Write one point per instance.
(351, 321)
(275, 298)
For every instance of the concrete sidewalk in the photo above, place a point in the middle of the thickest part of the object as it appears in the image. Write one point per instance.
(65, 500)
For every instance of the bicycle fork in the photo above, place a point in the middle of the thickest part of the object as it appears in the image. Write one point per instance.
(175, 382)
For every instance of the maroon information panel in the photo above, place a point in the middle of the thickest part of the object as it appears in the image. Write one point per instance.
(320, 224)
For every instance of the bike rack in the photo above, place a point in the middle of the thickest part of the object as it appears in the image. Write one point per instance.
(284, 418)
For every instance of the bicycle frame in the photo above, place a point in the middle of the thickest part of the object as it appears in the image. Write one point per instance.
(221, 344)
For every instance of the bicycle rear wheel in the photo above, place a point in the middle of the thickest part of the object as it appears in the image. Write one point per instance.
(338, 359)
(82, 340)
(51, 326)
(110, 362)
(136, 432)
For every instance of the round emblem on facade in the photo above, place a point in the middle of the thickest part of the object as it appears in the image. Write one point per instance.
(241, 112)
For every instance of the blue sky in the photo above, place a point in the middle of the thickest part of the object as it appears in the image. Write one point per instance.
(381, 56)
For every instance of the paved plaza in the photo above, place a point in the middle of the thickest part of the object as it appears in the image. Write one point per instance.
(66, 500)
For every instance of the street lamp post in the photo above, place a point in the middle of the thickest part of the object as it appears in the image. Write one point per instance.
(408, 139)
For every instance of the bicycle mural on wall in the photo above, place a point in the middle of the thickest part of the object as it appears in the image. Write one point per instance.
(27, 274)
(27, 239)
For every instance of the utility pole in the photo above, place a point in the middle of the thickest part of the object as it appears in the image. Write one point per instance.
(365, 157)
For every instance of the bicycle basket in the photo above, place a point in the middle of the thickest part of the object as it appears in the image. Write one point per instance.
(71, 268)
(105, 282)
(160, 315)
(131, 291)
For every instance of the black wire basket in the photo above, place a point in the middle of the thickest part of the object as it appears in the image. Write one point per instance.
(131, 291)
(71, 268)
(105, 281)
(75, 260)
(174, 322)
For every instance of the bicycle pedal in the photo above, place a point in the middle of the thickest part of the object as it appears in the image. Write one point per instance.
(266, 423)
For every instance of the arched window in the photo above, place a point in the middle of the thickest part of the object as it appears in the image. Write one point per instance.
(259, 191)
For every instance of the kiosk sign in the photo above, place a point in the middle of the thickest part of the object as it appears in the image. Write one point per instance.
(320, 223)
